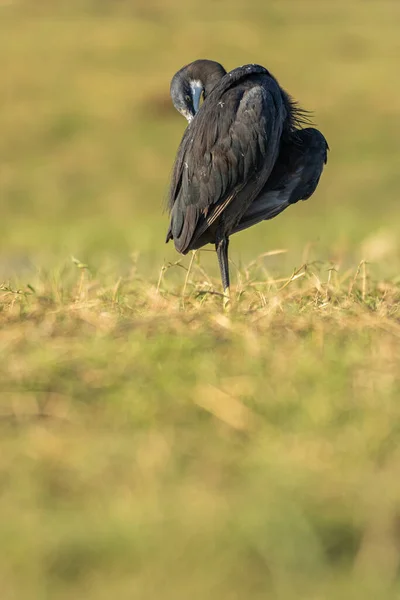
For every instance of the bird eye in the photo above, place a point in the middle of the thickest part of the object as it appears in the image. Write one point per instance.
(187, 98)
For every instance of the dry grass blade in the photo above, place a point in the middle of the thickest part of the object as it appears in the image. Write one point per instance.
(193, 256)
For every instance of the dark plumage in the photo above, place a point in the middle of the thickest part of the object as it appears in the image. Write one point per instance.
(294, 177)
(243, 157)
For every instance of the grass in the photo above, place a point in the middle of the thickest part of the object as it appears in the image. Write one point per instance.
(149, 445)
(153, 445)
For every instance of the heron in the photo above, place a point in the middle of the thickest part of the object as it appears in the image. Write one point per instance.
(245, 156)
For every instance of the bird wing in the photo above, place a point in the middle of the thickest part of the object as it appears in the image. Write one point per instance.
(295, 177)
(226, 154)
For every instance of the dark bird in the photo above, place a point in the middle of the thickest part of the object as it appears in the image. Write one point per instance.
(243, 158)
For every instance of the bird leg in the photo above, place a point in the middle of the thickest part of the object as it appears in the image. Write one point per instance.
(222, 252)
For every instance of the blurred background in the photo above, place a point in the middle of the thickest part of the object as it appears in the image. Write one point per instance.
(193, 457)
(89, 135)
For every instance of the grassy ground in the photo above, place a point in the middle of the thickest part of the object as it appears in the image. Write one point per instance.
(152, 445)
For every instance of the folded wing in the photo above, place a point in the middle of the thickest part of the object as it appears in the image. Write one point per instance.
(295, 177)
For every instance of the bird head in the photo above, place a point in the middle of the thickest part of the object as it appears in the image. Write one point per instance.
(192, 82)
(186, 95)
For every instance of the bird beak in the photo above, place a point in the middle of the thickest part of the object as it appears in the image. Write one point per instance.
(197, 90)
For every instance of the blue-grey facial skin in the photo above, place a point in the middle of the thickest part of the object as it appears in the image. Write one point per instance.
(197, 89)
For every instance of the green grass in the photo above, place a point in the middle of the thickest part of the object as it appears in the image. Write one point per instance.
(153, 446)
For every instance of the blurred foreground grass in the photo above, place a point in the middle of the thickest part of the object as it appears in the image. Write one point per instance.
(152, 446)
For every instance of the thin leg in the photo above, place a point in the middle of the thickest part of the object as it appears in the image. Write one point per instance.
(222, 252)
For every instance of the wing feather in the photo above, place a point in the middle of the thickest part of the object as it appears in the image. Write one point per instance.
(295, 177)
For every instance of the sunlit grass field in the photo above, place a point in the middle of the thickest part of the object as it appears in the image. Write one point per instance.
(152, 445)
